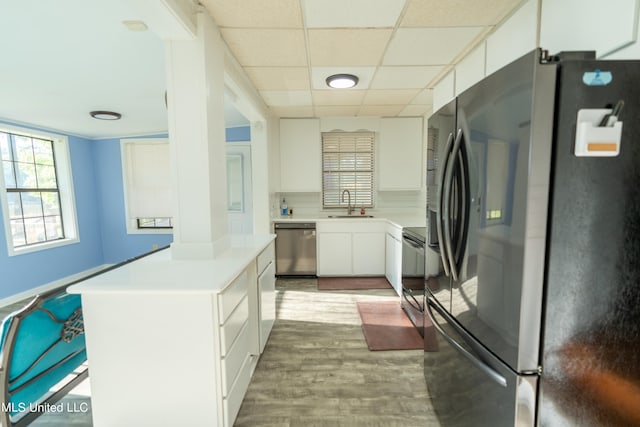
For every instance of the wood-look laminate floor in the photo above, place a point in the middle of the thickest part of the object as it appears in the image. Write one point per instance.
(316, 369)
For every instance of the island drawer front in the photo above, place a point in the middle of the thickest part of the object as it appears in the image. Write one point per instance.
(233, 361)
(233, 401)
(232, 295)
(265, 257)
(230, 329)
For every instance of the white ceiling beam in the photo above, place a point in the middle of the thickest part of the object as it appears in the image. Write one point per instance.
(169, 19)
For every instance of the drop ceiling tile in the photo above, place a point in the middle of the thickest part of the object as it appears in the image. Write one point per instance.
(266, 47)
(404, 77)
(352, 13)
(416, 110)
(299, 111)
(255, 13)
(456, 13)
(390, 97)
(424, 98)
(337, 97)
(380, 110)
(320, 74)
(286, 98)
(429, 46)
(347, 47)
(336, 110)
(279, 78)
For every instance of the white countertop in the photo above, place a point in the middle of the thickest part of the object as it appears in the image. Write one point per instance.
(159, 273)
(399, 220)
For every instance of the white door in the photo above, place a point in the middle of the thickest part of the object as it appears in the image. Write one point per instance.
(239, 189)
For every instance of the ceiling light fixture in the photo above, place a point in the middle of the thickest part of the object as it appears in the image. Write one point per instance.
(105, 115)
(135, 25)
(342, 81)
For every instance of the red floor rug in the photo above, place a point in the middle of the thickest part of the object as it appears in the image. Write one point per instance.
(352, 283)
(386, 327)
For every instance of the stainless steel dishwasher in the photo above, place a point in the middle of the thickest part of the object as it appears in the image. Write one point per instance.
(295, 248)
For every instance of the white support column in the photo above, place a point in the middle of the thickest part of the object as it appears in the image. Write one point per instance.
(195, 86)
(260, 173)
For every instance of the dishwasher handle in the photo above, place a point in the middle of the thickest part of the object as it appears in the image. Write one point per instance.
(295, 225)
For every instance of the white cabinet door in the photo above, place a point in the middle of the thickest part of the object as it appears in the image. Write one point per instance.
(267, 293)
(390, 250)
(515, 37)
(300, 155)
(393, 263)
(400, 154)
(334, 254)
(368, 254)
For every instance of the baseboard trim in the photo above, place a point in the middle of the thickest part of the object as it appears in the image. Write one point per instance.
(51, 285)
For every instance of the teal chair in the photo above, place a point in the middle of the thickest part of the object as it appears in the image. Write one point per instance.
(41, 344)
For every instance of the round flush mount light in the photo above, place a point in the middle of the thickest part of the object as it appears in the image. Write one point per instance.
(105, 115)
(342, 81)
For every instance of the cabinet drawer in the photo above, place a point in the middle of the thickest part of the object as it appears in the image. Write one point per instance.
(233, 401)
(231, 296)
(265, 257)
(230, 330)
(233, 361)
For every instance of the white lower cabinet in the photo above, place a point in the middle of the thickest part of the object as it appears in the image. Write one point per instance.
(263, 306)
(354, 247)
(173, 341)
(368, 254)
(393, 261)
(334, 254)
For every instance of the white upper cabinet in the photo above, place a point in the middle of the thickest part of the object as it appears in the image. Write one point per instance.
(513, 38)
(300, 155)
(587, 25)
(400, 154)
(471, 69)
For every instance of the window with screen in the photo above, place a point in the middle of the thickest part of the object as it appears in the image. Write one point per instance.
(347, 164)
(38, 198)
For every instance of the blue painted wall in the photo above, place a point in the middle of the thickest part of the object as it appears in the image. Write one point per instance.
(117, 244)
(23, 272)
(237, 134)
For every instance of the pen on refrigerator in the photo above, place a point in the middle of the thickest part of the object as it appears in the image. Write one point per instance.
(609, 119)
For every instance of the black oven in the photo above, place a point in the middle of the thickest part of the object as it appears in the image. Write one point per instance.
(413, 261)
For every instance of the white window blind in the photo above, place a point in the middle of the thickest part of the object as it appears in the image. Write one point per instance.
(347, 164)
(147, 179)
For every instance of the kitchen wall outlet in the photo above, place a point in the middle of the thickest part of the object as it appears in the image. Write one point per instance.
(154, 247)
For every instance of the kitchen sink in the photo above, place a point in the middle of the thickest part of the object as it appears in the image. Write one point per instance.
(350, 216)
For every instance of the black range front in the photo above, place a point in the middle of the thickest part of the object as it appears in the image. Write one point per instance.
(413, 260)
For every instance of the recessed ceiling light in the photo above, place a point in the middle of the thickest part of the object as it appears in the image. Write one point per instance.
(342, 81)
(135, 25)
(105, 115)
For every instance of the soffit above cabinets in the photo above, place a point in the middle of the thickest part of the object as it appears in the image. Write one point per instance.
(398, 48)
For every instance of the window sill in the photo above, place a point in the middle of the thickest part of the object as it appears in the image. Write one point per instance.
(42, 246)
(149, 231)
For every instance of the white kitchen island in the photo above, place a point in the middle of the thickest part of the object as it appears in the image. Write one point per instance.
(175, 342)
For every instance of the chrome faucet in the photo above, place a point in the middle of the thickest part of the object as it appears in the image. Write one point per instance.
(349, 207)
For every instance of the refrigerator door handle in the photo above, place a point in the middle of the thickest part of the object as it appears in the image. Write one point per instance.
(406, 293)
(482, 366)
(439, 217)
(463, 213)
(448, 184)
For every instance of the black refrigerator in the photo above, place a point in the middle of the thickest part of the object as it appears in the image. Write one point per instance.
(532, 290)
